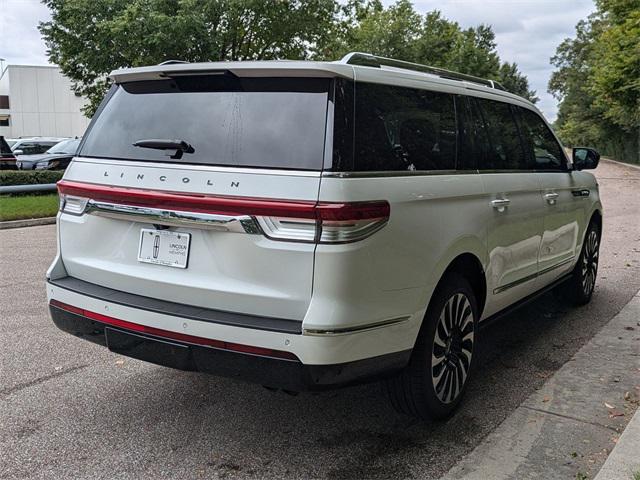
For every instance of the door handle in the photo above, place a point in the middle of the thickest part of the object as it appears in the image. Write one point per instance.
(500, 204)
(551, 198)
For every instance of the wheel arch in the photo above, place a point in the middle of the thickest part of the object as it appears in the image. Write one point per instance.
(467, 257)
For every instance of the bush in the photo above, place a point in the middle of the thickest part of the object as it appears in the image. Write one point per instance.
(32, 177)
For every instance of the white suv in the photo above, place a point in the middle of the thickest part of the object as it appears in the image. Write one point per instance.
(307, 225)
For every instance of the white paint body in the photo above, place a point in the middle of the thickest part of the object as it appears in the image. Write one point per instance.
(389, 276)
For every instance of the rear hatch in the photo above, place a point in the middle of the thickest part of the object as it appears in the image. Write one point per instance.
(210, 166)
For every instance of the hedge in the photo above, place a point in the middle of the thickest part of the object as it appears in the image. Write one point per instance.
(29, 177)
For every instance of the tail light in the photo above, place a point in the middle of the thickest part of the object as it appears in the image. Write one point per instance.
(285, 220)
(331, 223)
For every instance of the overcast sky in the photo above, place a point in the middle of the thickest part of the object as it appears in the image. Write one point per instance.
(527, 31)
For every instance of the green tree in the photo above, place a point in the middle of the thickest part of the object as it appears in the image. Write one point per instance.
(398, 31)
(89, 38)
(598, 81)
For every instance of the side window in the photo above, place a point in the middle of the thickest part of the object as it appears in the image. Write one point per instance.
(403, 129)
(540, 143)
(505, 150)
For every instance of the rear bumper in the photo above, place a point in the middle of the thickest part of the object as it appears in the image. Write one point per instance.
(184, 353)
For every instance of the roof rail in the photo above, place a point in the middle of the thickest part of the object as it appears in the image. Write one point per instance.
(172, 62)
(369, 60)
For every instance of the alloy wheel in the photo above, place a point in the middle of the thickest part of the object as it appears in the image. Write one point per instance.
(452, 348)
(590, 262)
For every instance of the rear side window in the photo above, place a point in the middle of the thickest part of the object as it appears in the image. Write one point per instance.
(539, 142)
(502, 148)
(403, 129)
(229, 121)
(33, 148)
(5, 151)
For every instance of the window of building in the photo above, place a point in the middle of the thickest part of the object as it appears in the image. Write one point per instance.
(4, 101)
(400, 128)
(4, 121)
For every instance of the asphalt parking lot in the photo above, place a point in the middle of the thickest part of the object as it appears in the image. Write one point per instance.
(71, 409)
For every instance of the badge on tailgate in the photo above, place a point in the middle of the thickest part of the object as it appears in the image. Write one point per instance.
(163, 247)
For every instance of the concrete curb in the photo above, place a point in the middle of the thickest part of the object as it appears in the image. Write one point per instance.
(29, 222)
(569, 426)
(624, 461)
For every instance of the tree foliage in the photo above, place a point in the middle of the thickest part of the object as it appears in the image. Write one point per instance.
(598, 81)
(90, 38)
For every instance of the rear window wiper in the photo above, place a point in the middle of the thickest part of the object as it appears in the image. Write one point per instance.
(180, 146)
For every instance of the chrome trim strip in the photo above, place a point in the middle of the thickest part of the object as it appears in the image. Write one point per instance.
(192, 167)
(532, 276)
(401, 173)
(424, 173)
(157, 216)
(358, 329)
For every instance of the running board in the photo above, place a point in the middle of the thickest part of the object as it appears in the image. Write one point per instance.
(528, 299)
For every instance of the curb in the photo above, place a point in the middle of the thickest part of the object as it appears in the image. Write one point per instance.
(623, 461)
(568, 427)
(29, 222)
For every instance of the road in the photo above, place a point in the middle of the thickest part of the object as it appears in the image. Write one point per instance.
(71, 409)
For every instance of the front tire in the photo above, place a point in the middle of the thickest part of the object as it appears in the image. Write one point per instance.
(433, 384)
(583, 280)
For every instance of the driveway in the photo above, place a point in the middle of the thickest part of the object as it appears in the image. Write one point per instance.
(70, 409)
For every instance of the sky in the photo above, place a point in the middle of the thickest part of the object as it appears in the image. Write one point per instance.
(527, 32)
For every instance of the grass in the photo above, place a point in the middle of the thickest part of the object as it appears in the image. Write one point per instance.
(28, 206)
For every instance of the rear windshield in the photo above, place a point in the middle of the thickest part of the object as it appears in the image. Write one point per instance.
(229, 121)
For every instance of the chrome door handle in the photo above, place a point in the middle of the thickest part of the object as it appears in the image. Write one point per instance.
(551, 197)
(500, 204)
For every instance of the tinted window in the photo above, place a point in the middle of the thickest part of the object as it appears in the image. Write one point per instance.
(66, 146)
(33, 148)
(252, 122)
(5, 151)
(540, 143)
(403, 129)
(502, 149)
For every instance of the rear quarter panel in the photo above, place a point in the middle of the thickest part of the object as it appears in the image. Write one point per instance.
(393, 273)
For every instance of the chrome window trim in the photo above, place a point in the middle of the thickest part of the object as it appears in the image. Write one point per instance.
(426, 173)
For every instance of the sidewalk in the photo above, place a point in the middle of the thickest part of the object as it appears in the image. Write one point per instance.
(567, 429)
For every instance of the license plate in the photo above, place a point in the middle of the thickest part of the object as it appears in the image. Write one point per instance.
(163, 247)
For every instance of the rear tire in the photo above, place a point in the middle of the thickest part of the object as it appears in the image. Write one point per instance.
(434, 382)
(583, 280)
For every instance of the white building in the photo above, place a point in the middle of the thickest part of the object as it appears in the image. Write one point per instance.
(39, 101)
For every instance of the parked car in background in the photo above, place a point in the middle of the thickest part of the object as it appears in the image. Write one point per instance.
(56, 158)
(7, 159)
(34, 145)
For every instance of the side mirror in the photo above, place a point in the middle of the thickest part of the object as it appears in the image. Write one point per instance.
(18, 152)
(585, 158)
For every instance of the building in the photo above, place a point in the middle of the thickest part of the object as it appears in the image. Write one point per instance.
(39, 101)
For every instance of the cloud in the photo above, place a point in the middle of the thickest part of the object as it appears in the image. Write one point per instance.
(20, 40)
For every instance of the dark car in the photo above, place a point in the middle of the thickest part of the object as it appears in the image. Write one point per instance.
(56, 158)
(7, 159)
